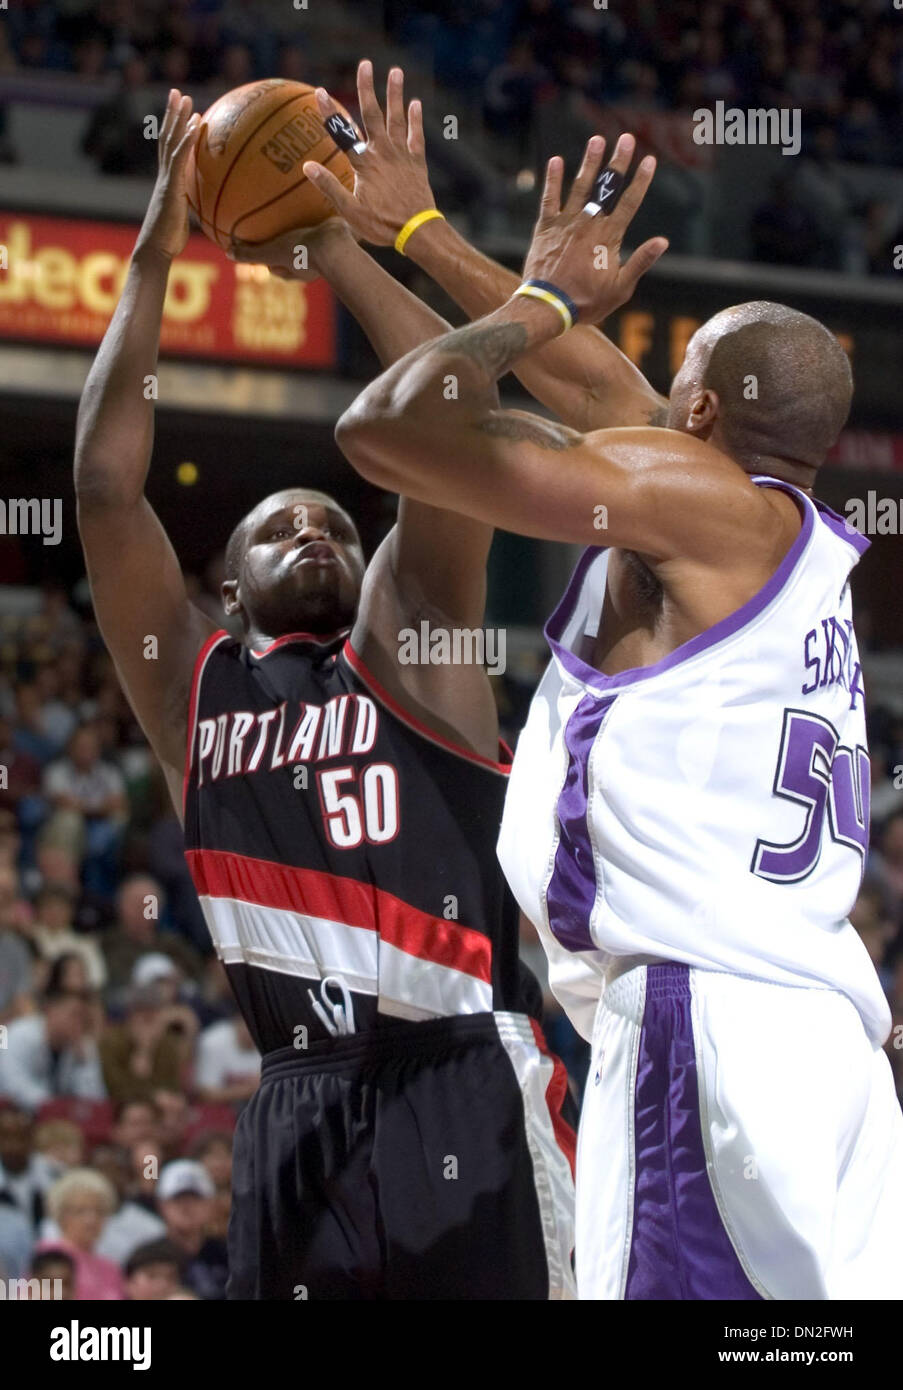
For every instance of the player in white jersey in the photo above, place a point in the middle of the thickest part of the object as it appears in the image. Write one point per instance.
(688, 814)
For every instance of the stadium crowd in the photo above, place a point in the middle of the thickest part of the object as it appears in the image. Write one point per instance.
(123, 1063)
(839, 61)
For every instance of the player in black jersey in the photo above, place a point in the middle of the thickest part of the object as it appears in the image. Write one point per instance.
(341, 810)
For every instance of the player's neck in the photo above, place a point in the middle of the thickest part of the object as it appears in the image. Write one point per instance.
(799, 475)
(259, 641)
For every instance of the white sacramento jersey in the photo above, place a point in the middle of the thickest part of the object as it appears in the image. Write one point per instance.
(712, 808)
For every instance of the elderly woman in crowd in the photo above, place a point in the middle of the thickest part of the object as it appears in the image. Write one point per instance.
(80, 1203)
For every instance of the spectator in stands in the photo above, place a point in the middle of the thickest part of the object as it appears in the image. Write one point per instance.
(68, 974)
(236, 67)
(138, 1055)
(185, 1196)
(174, 66)
(57, 1267)
(886, 865)
(54, 935)
(16, 969)
(510, 93)
(132, 1224)
(823, 183)
(869, 917)
(180, 1021)
(22, 1178)
(116, 137)
(58, 1145)
(227, 1069)
(213, 1148)
(90, 57)
(56, 863)
(10, 839)
(16, 1239)
(175, 1120)
(154, 1271)
(89, 801)
(886, 795)
(21, 787)
(144, 1160)
(30, 732)
(135, 1122)
(139, 903)
(51, 1053)
(860, 133)
(80, 1203)
(58, 718)
(883, 235)
(783, 230)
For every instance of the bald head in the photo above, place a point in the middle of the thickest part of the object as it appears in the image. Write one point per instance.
(782, 381)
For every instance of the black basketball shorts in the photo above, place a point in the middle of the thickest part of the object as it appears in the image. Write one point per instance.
(415, 1161)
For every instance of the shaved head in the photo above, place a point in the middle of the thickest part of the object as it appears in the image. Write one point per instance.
(782, 380)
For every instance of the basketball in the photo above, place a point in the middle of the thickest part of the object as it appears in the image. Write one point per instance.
(245, 175)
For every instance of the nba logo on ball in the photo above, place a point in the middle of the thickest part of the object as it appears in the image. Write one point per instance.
(245, 175)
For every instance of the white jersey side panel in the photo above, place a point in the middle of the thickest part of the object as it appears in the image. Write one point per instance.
(712, 808)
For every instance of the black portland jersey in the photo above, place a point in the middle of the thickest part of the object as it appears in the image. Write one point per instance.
(344, 855)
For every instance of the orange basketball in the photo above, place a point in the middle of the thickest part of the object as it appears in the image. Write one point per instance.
(244, 173)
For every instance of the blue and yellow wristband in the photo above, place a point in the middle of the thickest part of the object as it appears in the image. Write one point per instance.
(551, 294)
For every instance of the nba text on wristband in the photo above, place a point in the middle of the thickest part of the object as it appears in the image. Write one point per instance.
(413, 223)
(551, 294)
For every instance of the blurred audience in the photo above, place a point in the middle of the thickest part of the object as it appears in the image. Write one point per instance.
(51, 1053)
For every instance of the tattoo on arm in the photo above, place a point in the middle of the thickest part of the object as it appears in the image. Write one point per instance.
(543, 433)
(493, 348)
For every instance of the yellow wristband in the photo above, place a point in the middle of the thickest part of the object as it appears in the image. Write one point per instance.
(413, 223)
(534, 292)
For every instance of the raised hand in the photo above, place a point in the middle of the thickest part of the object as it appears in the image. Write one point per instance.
(391, 183)
(165, 228)
(578, 251)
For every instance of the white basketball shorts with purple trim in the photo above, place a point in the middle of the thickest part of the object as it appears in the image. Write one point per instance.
(739, 1140)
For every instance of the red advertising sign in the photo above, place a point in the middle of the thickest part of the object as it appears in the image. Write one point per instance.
(868, 449)
(60, 279)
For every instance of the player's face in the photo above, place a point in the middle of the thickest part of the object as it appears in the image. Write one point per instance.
(302, 567)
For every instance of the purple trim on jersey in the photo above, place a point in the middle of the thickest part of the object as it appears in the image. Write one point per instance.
(679, 1247)
(842, 528)
(572, 887)
(727, 627)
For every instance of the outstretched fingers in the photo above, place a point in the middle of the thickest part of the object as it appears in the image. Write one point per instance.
(643, 258)
(416, 140)
(550, 202)
(634, 194)
(329, 186)
(586, 174)
(396, 125)
(371, 113)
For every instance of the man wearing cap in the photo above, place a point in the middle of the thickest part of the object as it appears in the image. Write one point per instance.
(184, 1197)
